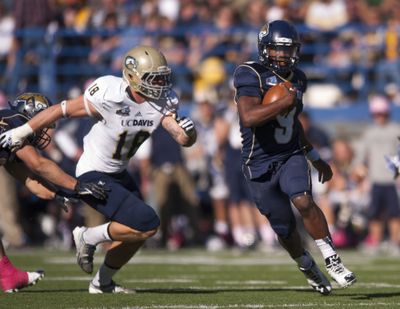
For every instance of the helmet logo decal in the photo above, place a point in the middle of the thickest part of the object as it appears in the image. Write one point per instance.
(131, 63)
(30, 101)
(263, 33)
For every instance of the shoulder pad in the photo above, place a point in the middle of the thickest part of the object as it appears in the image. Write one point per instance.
(259, 68)
(246, 75)
(112, 88)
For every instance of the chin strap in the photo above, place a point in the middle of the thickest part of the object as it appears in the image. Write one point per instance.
(287, 79)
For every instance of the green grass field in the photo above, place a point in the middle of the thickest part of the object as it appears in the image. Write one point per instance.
(200, 279)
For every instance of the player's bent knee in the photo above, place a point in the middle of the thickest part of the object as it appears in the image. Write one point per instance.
(303, 203)
(149, 234)
(135, 235)
(284, 232)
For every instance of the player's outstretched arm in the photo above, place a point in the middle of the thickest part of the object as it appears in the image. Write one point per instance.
(75, 108)
(26, 177)
(38, 186)
(51, 172)
(181, 129)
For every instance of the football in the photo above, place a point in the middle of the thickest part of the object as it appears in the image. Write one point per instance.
(276, 92)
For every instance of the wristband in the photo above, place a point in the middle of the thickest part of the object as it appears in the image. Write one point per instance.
(64, 108)
(313, 155)
(23, 131)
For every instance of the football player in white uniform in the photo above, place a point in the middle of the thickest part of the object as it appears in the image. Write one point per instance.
(128, 110)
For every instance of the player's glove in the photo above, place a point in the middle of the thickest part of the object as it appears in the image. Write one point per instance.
(97, 190)
(14, 138)
(65, 201)
(186, 124)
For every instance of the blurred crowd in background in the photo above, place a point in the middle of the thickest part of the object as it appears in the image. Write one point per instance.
(350, 53)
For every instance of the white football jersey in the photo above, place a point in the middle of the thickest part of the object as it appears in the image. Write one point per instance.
(125, 125)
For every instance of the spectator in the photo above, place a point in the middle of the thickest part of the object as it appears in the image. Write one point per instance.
(316, 135)
(174, 191)
(346, 199)
(209, 150)
(7, 24)
(326, 15)
(33, 45)
(378, 140)
(388, 67)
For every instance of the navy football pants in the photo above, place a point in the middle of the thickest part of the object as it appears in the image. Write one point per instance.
(273, 191)
(124, 203)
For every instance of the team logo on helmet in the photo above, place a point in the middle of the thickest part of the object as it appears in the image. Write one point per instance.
(131, 63)
(264, 32)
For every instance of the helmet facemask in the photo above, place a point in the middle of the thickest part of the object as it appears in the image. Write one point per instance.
(280, 58)
(41, 139)
(153, 85)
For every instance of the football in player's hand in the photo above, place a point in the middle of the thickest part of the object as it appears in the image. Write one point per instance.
(277, 92)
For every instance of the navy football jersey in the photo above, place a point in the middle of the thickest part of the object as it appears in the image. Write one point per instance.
(9, 119)
(278, 138)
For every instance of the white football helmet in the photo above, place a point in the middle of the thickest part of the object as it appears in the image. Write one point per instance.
(145, 69)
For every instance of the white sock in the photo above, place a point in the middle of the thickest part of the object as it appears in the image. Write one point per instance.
(243, 236)
(97, 234)
(237, 234)
(267, 234)
(326, 247)
(104, 275)
(303, 261)
(221, 227)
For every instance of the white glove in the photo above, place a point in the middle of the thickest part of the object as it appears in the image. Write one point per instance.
(186, 124)
(393, 164)
(14, 138)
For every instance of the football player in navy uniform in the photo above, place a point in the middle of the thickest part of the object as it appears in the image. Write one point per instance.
(38, 174)
(128, 109)
(275, 152)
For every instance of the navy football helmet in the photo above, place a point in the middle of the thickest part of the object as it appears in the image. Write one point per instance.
(278, 46)
(29, 104)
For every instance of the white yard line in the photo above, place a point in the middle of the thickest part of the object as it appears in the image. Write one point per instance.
(252, 306)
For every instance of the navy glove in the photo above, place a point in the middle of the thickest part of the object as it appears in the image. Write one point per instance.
(97, 190)
(65, 201)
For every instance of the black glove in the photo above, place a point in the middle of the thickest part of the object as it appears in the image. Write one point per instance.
(97, 190)
(65, 201)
